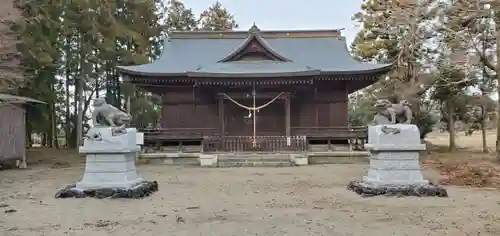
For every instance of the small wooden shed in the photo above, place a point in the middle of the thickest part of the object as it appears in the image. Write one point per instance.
(13, 128)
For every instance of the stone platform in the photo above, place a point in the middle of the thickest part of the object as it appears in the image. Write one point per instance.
(110, 169)
(394, 164)
(418, 190)
(142, 189)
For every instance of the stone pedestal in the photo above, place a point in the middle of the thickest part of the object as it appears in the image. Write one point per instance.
(110, 167)
(394, 163)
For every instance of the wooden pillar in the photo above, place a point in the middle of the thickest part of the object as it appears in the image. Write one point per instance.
(221, 116)
(316, 104)
(287, 115)
(347, 102)
(127, 106)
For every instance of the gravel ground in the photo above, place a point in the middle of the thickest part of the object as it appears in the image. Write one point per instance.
(299, 201)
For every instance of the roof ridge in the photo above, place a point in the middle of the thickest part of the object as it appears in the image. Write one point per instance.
(256, 62)
(242, 34)
(267, 31)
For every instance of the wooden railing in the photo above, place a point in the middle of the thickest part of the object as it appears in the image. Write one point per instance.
(269, 144)
(340, 132)
(177, 133)
(212, 140)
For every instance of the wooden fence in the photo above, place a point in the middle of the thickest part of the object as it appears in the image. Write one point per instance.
(268, 144)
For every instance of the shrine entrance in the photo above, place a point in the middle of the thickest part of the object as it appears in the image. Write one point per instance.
(269, 121)
(253, 114)
(255, 123)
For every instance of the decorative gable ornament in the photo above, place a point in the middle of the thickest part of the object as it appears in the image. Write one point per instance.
(254, 44)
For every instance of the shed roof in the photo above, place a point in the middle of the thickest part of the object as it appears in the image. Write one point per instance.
(299, 52)
(7, 98)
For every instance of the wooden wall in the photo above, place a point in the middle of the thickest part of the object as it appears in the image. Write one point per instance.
(189, 108)
(324, 105)
(270, 120)
(12, 131)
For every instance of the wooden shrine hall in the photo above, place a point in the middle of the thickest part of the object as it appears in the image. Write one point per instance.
(270, 91)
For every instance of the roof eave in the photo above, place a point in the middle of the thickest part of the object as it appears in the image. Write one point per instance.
(8, 98)
(379, 70)
(126, 71)
(253, 75)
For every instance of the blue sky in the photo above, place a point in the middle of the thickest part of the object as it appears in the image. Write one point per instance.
(289, 14)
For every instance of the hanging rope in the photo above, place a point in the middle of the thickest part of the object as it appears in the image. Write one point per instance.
(252, 108)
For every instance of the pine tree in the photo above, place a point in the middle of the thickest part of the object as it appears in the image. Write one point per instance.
(395, 32)
(217, 18)
(69, 53)
(180, 18)
(40, 58)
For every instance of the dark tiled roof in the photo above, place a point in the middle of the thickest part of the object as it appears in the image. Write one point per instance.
(308, 51)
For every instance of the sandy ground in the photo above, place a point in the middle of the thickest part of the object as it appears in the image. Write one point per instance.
(471, 143)
(298, 201)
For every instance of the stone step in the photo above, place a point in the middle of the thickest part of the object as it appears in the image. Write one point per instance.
(254, 164)
(254, 160)
(251, 160)
(255, 157)
(338, 157)
(341, 154)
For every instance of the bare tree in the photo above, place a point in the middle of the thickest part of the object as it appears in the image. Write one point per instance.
(464, 21)
(400, 28)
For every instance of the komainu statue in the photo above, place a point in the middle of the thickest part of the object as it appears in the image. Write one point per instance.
(105, 114)
(389, 113)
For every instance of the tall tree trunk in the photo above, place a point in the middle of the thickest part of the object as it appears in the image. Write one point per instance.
(497, 77)
(451, 127)
(79, 121)
(53, 127)
(117, 88)
(74, 116)
(97, 87)
(44, 139)
(67, 128)
(483, 130)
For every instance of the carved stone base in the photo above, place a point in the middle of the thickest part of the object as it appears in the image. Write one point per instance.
(419, 190)
(143, 189)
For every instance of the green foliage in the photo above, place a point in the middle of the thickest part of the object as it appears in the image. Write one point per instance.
(358, 116)
(361, 112)
(180, 18)
(217, 18)
(425, 123)
(450, 84)
(70, 49)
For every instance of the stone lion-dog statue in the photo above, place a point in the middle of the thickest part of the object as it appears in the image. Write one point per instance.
(389, 113)
(105, 114)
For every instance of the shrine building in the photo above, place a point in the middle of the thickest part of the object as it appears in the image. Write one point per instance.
(255, 90)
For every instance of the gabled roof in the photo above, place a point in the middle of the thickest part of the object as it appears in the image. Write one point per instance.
(254, 43)
(295, 53)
